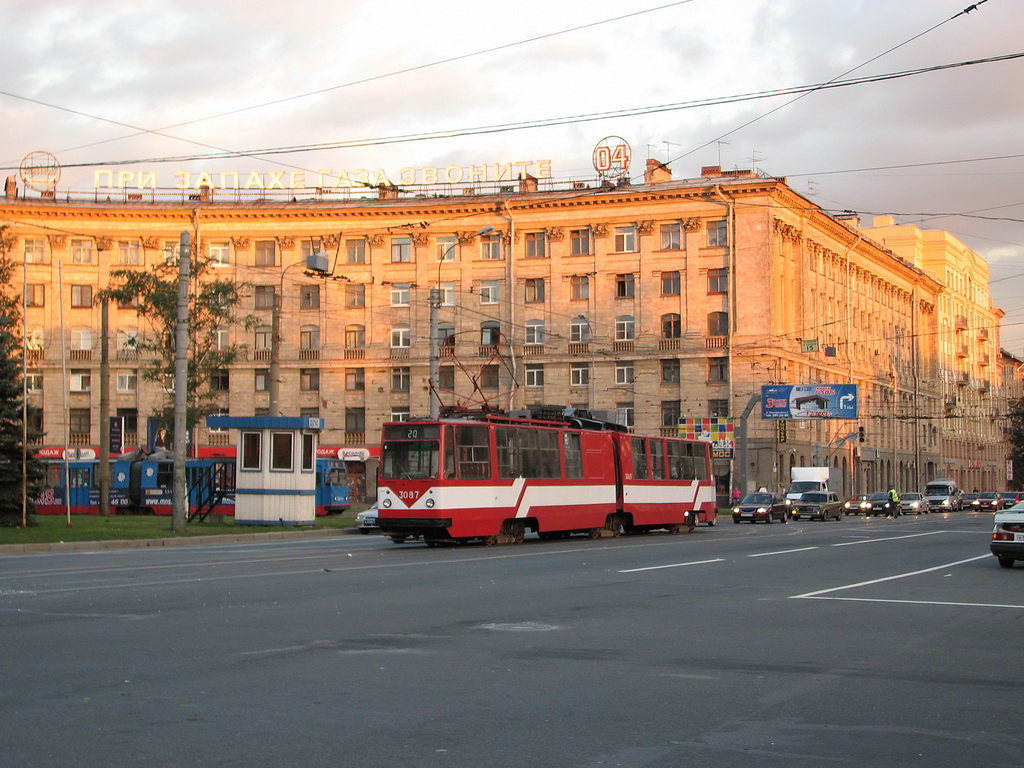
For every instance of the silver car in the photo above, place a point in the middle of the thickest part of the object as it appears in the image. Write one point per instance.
(366, 520)
(914, 502)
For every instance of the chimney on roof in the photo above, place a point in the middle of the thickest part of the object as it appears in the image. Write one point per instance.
(11, 188)
(850, 219)
(884, 221)
(657, 172)
(388, 192)
(527, 183)
(711, 171)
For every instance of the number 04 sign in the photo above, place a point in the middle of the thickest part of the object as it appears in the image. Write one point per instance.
(612, 156)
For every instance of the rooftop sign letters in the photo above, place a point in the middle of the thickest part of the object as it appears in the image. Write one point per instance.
(327, 178)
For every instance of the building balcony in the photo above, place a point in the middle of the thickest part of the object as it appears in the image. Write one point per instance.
(960, 323)
(716, 342)
(219, 439)
(399, 353)
(446, 350)
(261, 355)
(79, 355)
(579, 348)
(355, 438)
(127, 354)
(623, 346)
(488, 350)
(532, 350)
(962, 351)
(669, 344)
(355, 354)
(309, 355)
(79, 438)
(35, 356)
(962, 379)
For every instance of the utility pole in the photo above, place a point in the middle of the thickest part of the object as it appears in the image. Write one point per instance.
(435, 364)
(104, 467)
(179, 493)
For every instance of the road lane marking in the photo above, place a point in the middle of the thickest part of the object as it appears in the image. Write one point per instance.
(820, 592)
(917, 602)
(782, 552)
(673, 565)
(887, 538)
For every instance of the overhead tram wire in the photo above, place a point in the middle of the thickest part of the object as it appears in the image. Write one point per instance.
(829, 82)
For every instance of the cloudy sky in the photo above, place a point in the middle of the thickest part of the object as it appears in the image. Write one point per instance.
(102, 81)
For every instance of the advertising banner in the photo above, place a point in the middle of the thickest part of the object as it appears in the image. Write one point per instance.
(809, 401)
(720, 432)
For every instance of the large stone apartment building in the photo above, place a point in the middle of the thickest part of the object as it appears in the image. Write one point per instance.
(654, 302)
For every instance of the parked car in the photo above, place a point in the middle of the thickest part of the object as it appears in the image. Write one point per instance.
(817, 506)
(913, 502)
(882, 504)
(989, 501)
(1008, 535)
(857, 504)
(761, 506)
(1011, 497)
(366, 520)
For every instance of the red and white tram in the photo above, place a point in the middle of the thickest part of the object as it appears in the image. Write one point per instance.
(494, 478)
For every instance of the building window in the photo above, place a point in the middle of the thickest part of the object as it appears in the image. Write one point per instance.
(222, 338)
(79, 421)
(623, 374)
(128, 252)
(490, 247)
(129, 419)
(625, 239)
(35, 295)
(220, 252)
(445, 248)
(536, 245)
(579, 287)
(671, 326)
(355, 295)
(718, 369)
(400, 413)
(35, 251)
(718, 408)
(400, 378)
(309, 337)
(624, 414)
(220, 380)
(447, 294)
(266, 253)
(81, 380)
(534, 290)
(446, 337)
(446, 377)
(490, 333)
(535, 332)
(81, 251)
(81, 338)
(34, 381)
(670, 371)
(718, 234)
(535, 375)
(671, 236)
(670, 413)
(309, 379)
(718, 280)
(579, 242)
(81, 296)
(401, 250)
(262, 379)
(355, 336)
(579, 330)
(355, 251)
(670, 283)
(579, 375)
(489, 377)
(355, 379)
(401, 337)
(355, 420)
(311, 246)
(262, 337)
(718, 324)
(490, 291)
(624, 286)
(263, 296)
(400, 295)
(309, 297)
(625, 328)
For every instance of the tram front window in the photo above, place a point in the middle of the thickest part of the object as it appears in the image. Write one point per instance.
(410, 459)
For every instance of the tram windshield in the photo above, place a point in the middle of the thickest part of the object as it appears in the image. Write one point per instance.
(410, 459)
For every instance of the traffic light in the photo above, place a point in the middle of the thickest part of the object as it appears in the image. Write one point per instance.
(860, 434)
(782, 431)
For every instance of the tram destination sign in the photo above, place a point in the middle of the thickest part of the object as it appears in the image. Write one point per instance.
(809, 401)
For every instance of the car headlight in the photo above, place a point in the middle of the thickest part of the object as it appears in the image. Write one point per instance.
(762, 509)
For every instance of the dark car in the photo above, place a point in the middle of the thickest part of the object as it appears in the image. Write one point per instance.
(1011, 497)
(761, 506)
(817, 506)
(857, 504)
(882, 504)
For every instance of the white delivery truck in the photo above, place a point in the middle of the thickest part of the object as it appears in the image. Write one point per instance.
(814, 480)
(943, 495)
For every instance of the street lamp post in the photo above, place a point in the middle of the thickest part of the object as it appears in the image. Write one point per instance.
(434, 298)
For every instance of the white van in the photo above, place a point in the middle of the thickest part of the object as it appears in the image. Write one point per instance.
(943, 496)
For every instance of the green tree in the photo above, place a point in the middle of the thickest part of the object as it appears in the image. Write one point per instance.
(213, 305)
(1015, 436)
(20, 471)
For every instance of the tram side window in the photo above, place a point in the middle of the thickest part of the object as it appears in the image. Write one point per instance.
(509, 454)
(164, 474)
(657, 460)
(54, 475)
(676, 469)
(639, 458)
(547, 454)
(474, 453)
(699, 462)
(81, 477)
(449, 452)
(573, 455)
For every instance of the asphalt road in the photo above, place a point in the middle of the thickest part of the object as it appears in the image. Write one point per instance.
(867, 642)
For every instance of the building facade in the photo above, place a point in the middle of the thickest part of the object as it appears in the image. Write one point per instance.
(653, 302)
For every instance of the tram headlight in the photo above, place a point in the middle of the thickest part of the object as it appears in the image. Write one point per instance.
(386, 503)
(429, 503)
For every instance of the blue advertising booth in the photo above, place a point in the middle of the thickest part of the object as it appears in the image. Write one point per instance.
(275, 481)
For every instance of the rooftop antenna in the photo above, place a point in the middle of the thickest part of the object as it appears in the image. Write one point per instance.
(720, 143)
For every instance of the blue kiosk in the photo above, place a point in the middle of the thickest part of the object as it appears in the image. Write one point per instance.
(275, 481)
